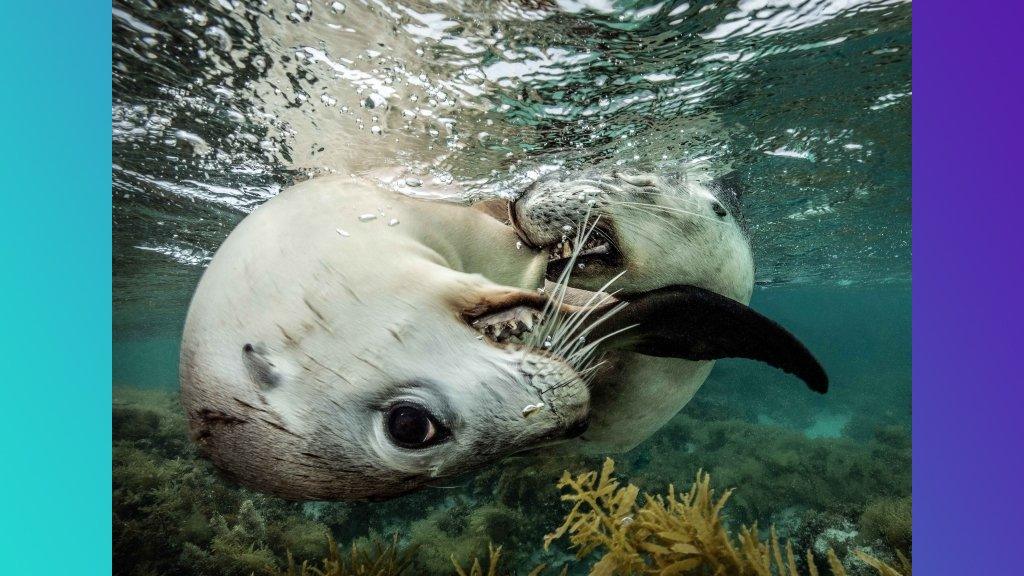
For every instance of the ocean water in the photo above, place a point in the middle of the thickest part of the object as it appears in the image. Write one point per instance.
(219, 105)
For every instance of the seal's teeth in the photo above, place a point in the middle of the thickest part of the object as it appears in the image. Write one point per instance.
(556, 251)
(509, 324)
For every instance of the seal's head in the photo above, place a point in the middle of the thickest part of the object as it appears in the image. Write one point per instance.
(655, 230)
(323, 365)
(675, 249)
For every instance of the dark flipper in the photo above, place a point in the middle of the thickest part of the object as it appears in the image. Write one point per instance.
(697, 324)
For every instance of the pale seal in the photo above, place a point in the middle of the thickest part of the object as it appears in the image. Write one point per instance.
(348, 342)
(329, 351)
(668, 237)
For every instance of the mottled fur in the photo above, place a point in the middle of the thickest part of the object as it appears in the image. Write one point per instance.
(670, 230)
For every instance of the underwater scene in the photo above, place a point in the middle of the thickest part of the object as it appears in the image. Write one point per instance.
(732, 151)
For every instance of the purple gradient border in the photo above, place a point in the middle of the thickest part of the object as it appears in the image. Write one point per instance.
(968, 267)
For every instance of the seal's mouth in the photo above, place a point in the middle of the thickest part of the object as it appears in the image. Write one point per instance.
(553, 360)
(543, 323)
(590, 242)
(510, 326)
(599, 249)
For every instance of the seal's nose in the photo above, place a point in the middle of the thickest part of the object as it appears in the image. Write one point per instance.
(578, 427)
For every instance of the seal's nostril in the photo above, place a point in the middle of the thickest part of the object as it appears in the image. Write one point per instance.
(577, 428)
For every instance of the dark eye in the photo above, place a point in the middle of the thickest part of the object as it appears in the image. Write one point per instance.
(719, 209)
(412, 426)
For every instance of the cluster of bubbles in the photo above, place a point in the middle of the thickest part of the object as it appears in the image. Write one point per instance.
(219, 103)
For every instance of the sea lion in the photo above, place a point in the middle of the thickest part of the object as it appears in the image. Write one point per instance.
(349, 342)
(667, 235)
(328, 351)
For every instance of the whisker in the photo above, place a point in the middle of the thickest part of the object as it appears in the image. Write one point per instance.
(563, 279)
(568, 331)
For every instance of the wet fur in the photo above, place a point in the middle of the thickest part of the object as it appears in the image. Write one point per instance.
(669, 233)
(298, 337)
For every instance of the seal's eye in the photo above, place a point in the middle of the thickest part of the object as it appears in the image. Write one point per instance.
(719, 209)
(412, 426)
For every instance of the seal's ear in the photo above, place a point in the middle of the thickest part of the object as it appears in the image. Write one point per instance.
(697, 324)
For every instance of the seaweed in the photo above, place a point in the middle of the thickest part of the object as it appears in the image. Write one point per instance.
(678, 533)
(777, 468)
(888, 519)
(173, 514)
(379, 558)
(493, 565)
(493, 561)
(883, 568)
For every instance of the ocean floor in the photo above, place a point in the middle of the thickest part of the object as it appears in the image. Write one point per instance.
(840, 483)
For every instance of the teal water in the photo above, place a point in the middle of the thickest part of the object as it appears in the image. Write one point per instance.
(218, 105)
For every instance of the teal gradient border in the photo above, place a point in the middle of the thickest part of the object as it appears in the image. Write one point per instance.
(55, 258)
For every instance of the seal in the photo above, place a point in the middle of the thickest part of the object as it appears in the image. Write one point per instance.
(329, 351)
(670, 237)
(349, 342)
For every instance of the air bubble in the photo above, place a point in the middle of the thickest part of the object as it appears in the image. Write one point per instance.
(531, 408)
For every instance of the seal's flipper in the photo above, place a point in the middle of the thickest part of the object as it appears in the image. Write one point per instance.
(697, 324)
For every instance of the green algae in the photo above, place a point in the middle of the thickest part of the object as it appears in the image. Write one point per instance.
(375, 558)
(174, 515)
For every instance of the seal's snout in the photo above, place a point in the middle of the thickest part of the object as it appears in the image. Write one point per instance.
(554, 205)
